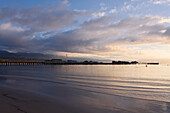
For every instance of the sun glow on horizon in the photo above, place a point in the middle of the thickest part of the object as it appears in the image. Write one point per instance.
(105, 29)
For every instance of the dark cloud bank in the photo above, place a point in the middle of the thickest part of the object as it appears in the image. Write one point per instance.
(59, 29)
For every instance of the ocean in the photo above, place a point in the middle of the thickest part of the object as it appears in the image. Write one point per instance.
(101, 86)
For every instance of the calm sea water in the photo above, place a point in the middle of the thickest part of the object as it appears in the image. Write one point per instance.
(137, 81)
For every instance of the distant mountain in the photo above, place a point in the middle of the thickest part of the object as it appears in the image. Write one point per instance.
(19, 55)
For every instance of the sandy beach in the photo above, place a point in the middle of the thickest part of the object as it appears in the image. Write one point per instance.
(17, 101)
(50, 89)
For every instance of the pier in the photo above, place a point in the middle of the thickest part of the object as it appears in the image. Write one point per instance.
(45, 63)
(69, 63)
(21, 63)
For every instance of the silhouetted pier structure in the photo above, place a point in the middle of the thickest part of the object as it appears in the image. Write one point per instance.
(152, 63)
(44, 63)
(66, 63)
(21, 63)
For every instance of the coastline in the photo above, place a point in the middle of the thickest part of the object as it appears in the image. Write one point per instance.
(19, 101)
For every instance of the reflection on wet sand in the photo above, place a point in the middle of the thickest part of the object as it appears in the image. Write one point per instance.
(97, 89)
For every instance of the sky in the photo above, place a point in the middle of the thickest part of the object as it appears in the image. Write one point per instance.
(94, 29)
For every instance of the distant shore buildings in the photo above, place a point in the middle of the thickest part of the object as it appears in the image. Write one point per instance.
(69, 62)
(124, 62)
(54, 61)
(60, 61)
(37, 58)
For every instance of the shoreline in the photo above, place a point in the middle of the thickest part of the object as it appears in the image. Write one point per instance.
(19, 101)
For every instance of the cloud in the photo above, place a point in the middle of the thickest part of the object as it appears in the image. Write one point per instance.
(95, 36)
(19, 27)
(103, 7)
(127, 7)
(39, 18)
(98, 36)
(98, 14)
(165, 20)
(160, 2)
(134, 0)
(9, 27)
(63, 5)
(113, 11)
(56, 29)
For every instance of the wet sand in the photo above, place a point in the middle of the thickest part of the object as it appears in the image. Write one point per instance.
(17, 101)
(84, 89)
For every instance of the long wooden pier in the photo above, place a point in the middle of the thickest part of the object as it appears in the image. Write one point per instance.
(21, 63)
(44, 63)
